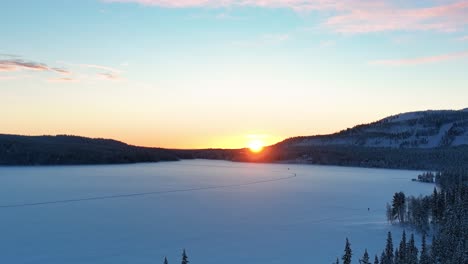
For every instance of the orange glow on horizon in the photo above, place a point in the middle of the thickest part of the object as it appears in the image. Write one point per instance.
(256, 145)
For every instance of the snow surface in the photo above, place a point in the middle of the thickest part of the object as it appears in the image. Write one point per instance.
(404, 117)
(221, 212)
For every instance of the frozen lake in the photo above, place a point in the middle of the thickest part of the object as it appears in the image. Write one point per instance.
(221, 212)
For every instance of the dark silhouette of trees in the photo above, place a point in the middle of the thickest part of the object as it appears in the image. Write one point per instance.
(348, 253)
(184, 257)
(387, 255)
(411, 254)
(365, 258)
(424, 258)
(399, 206)
(376, 260)
(400, 255)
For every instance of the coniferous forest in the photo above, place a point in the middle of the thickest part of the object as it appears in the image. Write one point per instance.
(441, 217)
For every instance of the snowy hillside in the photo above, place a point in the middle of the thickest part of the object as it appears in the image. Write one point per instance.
(424, 129)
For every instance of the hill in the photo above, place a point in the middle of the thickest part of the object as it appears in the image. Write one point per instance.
(63, 149)
(424, 140)
(423, 129)
(429, 140)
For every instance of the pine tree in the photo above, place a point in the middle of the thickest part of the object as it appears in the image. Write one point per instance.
(424, 259)
(401, 258)
(165, 260)
(397, 257)
(435, 206)
(376, 260)
(184, 258)
(411, 252)
(337, 261)
(399, 206)
(383, 257)
(348, 253)
(365, 258)
(387, 255)
(435, 250)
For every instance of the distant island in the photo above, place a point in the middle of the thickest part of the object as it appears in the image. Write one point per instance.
(425, 140)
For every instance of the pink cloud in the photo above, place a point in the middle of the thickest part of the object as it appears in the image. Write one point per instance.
(350, 16)
(422, 60)
(445, 18)
(10, 65)
(293, 4)
(61, 80)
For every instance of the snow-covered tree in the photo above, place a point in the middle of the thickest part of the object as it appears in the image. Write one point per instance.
(387, 256)
(184, 258)
(424, 258)
(399, 206)
(411, 252)
(365, 258)
(347, 253)
(401, 256)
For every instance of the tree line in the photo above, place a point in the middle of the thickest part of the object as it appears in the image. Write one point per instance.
(443, 214)
(406, 253)
(184, 258)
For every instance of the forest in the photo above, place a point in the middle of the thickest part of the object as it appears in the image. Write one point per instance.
(442, 216)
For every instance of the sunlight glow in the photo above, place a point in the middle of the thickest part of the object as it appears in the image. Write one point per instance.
(256, 145)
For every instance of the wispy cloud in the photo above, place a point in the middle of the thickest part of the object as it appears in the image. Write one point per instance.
(98, 72)
(9, 55)
(13, 63)
(351, 16)
(422, 60)
(389, 17)
(17, 64)
(100, 67)
(62, 80)
(109, 76)
(464, 38)
(9, 65)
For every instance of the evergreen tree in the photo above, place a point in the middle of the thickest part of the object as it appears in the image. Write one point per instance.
(435, 250)
(435, 206)
(165, 260)
(424, 259)
(365, 258)
(411, 252)
(388, 253)
(383, 257)
(376, 260)
(348, 253)
(399, 206)
(401, 258)
(397, 257)
(184, 258)
(337, 261)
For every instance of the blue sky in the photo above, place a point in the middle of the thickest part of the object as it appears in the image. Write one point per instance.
(201, 73)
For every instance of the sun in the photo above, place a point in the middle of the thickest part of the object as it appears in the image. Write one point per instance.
(256, 145)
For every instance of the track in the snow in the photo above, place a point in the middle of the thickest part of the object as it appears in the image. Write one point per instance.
(144, 193)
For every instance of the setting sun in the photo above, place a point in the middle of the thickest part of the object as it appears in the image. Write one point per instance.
(256, 145)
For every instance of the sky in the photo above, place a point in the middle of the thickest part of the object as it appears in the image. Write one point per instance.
(205, 73)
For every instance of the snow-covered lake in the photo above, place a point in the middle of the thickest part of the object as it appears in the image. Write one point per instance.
(221, 212)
